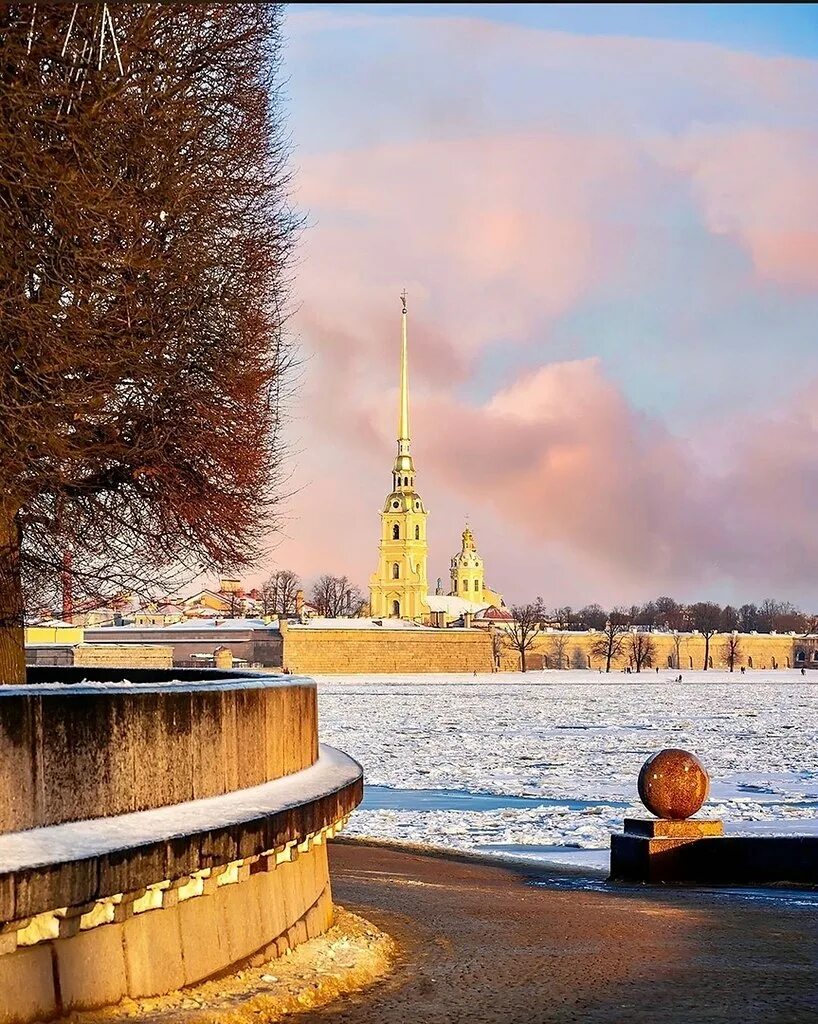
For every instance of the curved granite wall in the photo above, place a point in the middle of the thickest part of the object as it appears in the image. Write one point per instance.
(85, 751)
(152, 835)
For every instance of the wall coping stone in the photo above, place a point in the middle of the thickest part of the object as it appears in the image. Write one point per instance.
(79, 861)
(92, 680)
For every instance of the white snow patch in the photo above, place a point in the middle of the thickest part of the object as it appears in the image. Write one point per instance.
(577, 740)
(76, 840)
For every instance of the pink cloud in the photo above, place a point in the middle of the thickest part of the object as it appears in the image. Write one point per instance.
(518, 230)
(758, 185)
(504, 222)
(561, 455)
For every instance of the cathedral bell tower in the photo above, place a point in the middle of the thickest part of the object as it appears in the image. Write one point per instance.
(468, 576)
(398, 587)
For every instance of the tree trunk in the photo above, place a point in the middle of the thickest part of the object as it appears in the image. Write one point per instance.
(522, 660)
(706, 650)
(608, 660)
(12, 636)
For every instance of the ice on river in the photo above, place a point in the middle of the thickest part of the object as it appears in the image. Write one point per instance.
(550, 759)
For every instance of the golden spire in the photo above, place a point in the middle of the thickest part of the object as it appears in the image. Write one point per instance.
(403, 472)
(403, 418)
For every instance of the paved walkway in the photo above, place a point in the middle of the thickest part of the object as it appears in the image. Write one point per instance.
(485, 944)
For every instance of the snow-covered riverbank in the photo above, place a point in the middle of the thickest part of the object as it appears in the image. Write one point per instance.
(551, 758)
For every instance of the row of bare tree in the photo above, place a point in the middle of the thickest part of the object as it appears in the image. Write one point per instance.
(668, 614)
(331, 596)
(621, 632)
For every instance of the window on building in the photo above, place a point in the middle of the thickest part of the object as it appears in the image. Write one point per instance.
(417, 533)
(396, 532)
(406, 481)
(396, 608)
(455, 586)
(395, 571)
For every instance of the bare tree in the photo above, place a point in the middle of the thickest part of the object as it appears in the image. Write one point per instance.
(767, 614)
(669, 614)
(523, 629)
(558, 649)
(731, 650)
(609, 644)
(334, 597)
(143, 242)
(578, 658)
(592, 616)
(678, 640)
(278, 593)
(237, 604)
(749, 618)
(706, 617)
(563, 617)
(641, 648)
(498, 645)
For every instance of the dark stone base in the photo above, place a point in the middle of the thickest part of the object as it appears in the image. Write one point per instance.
(696, 853)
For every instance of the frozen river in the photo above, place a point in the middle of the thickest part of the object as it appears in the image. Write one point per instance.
(546, 763)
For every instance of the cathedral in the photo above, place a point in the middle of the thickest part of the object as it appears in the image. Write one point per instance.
(399, 588)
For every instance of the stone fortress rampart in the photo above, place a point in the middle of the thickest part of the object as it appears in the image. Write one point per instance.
(681, 652)
(385, 649)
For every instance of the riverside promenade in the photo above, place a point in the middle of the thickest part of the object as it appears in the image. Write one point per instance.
(488, 944)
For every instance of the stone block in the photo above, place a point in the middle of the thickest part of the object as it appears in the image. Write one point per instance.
(17, 766)
(27, 986)
(716, 860)
(245, 923)
(667, 828)
(66, 884)
(91, 968)
(261, 887)
(203, 927)
(298, 932)
(153, 953)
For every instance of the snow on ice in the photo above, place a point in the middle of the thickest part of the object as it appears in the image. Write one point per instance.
(570, 744)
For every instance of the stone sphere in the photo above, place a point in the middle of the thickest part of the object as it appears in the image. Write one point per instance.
(673, 784)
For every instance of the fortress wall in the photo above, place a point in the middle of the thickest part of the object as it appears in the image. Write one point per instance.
(102, 655)
(123, 656)
(756, 651)
(310, 649)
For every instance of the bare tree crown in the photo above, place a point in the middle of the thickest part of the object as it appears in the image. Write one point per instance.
(144, 233)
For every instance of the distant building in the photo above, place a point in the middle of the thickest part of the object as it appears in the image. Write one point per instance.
(399, 587)
(468, 575)
(195, 642)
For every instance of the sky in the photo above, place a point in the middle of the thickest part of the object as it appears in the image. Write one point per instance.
(606, 221)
